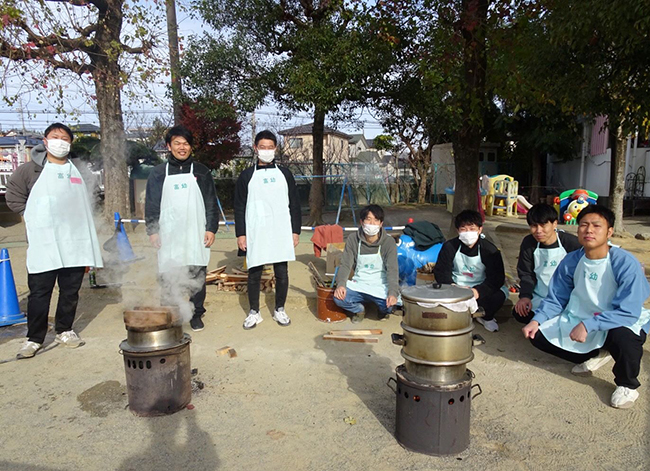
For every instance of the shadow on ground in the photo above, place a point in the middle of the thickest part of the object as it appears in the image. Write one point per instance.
(359, 363)
(176, 442)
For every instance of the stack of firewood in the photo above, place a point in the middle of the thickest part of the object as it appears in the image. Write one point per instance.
(238, 280)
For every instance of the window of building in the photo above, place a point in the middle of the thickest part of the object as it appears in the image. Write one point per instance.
(295, 143)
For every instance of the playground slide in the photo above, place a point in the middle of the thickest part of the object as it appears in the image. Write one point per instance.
(523, 205)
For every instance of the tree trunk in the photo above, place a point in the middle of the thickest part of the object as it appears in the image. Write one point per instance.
(422, 190)
(536, 178)
(316, 199)
(108, 84)
(112, 147)
(617, 180)
(467, 140)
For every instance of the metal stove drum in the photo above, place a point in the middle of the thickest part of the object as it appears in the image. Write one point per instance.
(156, 360)
(433, 386)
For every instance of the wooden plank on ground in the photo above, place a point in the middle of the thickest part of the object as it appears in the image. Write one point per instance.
(351, 338)
(357, 332)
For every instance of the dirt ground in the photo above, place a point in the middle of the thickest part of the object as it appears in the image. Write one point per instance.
(282, 402)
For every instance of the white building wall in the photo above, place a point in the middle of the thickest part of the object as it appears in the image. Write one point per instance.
(566, 175)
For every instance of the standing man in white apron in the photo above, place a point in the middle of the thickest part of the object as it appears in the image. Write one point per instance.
(595, 301)
(267, 224)
(373, 255)
(540, 254)
(182, 218)
(52, 195)
(471, 261)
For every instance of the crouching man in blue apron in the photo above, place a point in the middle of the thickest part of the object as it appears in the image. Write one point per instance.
(373, 255)
(540, 254)
(471, 261)
(53, 197)
(594, 308)
(267, 224)
(182, 218)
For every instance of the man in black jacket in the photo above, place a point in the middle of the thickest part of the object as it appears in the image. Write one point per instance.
(267, 224)
(540, 254)
(471, 261)
(182, 218)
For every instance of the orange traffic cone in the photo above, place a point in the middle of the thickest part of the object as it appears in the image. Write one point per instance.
(9, 308)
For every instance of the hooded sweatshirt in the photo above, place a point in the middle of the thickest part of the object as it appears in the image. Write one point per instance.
(23, 179)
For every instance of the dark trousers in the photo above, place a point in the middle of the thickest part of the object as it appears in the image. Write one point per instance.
(41, 286)
(491, 303)
(624, 345)
(177, 285)
(523, 319)
(281, 270)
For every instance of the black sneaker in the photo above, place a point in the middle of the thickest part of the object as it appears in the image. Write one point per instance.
(197, 324)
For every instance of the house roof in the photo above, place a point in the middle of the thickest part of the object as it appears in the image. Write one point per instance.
(358, 137)
(85, 128)
(371, 143)
(306, 129)
(11, 141)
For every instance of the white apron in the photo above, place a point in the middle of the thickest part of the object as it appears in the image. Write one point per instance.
(59, 222)
(182, 223)
(595, 287)
(546, 261)
(269, 238)
(369, 275)
(470, 271)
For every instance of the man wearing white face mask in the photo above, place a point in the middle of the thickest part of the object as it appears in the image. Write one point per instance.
(373, 255)
(52, 195)
(267, 225)
(471, 261)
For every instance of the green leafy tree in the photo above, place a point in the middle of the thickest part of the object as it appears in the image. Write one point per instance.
(306, 56)
(588, 58)
(52, 43)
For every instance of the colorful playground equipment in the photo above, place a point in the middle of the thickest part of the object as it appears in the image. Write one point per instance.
(501, 199)
(571, 202)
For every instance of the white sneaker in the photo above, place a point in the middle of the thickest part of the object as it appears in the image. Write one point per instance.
(490, 326)
(623, 398)
(588, 367)
(28, 349)
(253, 318)
(69, 339)
(281, 317)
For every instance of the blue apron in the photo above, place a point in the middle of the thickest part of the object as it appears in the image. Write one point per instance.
(546, 261)
(470, 271)
(594, 290)
(369, 275)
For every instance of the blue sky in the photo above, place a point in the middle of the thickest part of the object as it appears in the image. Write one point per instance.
(36, 116)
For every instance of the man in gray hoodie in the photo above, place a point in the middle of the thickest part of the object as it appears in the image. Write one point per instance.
(373, 255)
(51, 194)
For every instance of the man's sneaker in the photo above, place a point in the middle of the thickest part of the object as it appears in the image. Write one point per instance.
(490, 325)
(28, 349)
(69, 339)
(357, 317)
(281, 317)
(383, 317)
(253, 318)
(196, 324)
(623, 398)
(588, 367)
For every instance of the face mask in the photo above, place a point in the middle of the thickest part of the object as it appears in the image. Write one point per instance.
(371, 229)
(266, 155)
(58, 148)
(468, 238)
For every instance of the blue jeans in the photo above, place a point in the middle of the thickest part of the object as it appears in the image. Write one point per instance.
(354, 301)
